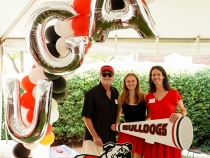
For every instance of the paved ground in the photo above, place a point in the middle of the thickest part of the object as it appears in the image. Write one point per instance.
(77, 149)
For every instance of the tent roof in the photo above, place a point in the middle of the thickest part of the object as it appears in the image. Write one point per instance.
(178, 23)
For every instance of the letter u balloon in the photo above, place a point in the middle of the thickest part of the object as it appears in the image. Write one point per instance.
(36, 130)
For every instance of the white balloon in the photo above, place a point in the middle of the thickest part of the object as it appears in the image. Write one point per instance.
(61, 46)
(149, 1)
(54, 116)
(31, 146)
(35, 74)
(54, 106)
(40, 151)
(64, 28)
(6, 148)
(34, 92)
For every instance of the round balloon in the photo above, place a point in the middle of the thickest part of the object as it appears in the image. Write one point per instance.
(30, 115)
(51, 35)
(59, 96)
(59, 85)
(54, 116)
(61, 46)
(27, 100)
(20, 151)
(51, 76)
(64, 28)
(49, 129)
(34, 92)
(82, 7)
(48, 140)
(80, 25)
(54, 106)
(52, 49)
(26, 84)
(35, 74)
(35, 153)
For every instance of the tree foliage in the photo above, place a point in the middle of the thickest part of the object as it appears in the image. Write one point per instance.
(194, 88)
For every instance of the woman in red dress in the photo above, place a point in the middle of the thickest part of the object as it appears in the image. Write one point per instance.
(162, 102)
(132, 104)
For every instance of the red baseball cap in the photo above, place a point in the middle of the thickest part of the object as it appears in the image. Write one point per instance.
(107, 68)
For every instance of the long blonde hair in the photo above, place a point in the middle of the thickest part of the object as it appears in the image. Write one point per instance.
(124, 96)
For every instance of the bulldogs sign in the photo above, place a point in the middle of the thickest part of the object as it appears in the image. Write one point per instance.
(178, 134)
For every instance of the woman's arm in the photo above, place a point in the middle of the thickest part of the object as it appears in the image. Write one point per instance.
(148, 111)
(148, 114)
(182, 112)
(181, 108)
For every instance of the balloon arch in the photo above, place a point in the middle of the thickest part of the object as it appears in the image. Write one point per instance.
(59, 50)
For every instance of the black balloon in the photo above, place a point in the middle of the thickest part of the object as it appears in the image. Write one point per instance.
(19, 151)
(51, 35)
(117, 4)
(59, 96)
(59, 85)
(51, 76)
(52, 49)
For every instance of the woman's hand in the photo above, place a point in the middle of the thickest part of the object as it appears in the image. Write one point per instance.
(174, 116)
(113, 127)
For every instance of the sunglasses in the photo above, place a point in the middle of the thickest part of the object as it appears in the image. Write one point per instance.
(105, 74)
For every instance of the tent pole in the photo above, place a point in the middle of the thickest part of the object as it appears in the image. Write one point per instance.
(17, 19)
(1, 55)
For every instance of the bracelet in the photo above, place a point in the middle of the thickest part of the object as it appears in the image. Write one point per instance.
(182, 114)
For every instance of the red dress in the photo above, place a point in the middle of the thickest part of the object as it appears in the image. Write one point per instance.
(133, 113)
(160, 109)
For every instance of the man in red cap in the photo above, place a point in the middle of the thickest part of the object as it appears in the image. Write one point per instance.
(99, 113)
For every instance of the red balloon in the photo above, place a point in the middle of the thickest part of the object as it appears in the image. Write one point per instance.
(26, 84)
(30, 115)
(89, 45)
(27, 100)
(80, 25)
(49, 129)
(82, 6)
(86, 50)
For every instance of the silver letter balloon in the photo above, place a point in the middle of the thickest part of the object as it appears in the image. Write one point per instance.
(36, 130)
(105, 16)
(134, 14)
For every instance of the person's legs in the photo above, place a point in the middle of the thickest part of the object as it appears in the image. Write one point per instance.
(90, 148)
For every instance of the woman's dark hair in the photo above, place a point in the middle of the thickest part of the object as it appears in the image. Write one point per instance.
(166, 85)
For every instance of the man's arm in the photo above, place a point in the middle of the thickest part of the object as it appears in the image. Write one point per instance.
(88, 122)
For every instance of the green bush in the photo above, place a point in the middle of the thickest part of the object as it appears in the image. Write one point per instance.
(194, 88)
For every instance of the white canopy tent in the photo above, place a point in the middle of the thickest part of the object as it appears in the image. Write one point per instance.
(183, 27)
